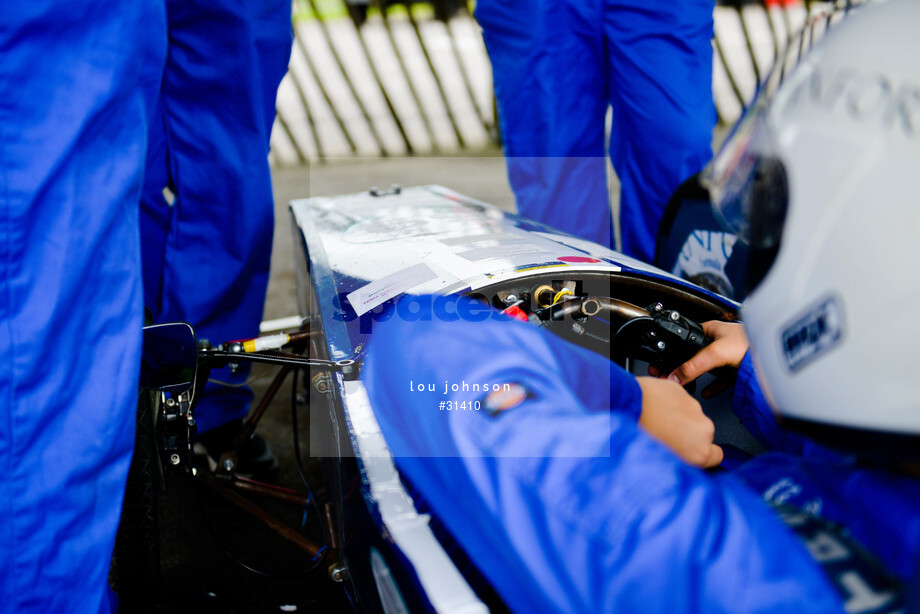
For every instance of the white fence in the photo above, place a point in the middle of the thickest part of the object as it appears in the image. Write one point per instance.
(409, 84)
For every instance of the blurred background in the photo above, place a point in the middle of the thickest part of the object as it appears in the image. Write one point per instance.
(400, 78)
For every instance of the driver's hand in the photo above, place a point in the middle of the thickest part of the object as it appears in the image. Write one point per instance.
(676, 419)
(728, 347)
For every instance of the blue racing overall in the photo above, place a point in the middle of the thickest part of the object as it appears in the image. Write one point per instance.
(528, 450)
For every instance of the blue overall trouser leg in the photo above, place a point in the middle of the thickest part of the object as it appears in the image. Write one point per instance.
(207, 209)
(77, 82)
(559, 65)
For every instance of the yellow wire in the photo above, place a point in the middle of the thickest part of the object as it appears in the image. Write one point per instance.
(560, 294)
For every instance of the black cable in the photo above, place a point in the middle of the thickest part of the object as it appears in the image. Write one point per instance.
(351, 599)
(318, 558)
(300, 469)
(270, 357)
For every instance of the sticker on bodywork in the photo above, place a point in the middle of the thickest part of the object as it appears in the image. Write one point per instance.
(814, 334)
(378, 292)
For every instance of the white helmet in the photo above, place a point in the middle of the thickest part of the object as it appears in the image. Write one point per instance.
(822, 178)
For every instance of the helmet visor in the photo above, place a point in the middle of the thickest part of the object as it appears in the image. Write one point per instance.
(747, 179)
(750, 192)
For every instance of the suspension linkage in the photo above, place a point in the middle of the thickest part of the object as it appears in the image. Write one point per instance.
(348, 368)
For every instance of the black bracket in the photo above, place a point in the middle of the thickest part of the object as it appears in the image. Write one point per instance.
(393, 191)
(665, 339)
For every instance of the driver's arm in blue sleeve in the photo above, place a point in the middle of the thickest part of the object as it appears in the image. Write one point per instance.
(868, 500)
(799, 472)
(755, 413)
(554, 492)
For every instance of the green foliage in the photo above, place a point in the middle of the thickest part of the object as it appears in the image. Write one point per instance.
(335, 9)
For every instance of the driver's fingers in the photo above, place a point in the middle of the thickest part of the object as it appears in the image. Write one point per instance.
(715, 457)
(705, 360)
(727, 349)
(713, 328)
